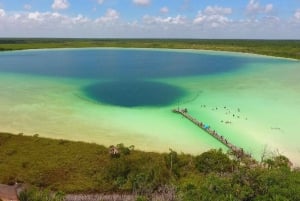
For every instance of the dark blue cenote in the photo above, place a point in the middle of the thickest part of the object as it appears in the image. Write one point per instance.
(128, 71)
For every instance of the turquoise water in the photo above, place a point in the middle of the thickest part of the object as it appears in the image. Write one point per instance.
(110, 96)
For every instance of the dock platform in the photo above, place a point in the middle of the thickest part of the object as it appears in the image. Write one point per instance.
(238, 152)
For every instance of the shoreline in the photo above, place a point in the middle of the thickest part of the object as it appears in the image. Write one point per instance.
(187, 50)
(64, 140)
(195, 51)
(273, 48)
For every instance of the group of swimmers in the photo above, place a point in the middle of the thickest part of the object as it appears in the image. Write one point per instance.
(228, 111)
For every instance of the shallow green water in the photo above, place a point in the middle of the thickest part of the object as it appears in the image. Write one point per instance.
(258, 95)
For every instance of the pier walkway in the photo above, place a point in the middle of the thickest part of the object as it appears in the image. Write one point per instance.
(238, 152)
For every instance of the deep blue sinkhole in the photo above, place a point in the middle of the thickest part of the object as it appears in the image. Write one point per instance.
(134, 93)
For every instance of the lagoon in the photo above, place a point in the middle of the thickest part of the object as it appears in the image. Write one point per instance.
(110, 96)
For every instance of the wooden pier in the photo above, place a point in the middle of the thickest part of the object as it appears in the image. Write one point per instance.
(238, 152)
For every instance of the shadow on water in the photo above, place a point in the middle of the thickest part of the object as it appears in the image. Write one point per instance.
(134, 93)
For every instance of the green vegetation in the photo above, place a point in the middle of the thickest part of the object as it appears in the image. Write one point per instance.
(74, 167)
(279, 48)
(34, 194)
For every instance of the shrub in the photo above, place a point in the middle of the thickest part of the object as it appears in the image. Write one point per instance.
(34, 194)
(214, 161)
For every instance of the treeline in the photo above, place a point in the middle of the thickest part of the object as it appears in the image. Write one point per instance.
(280, 48)
(75, 167)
